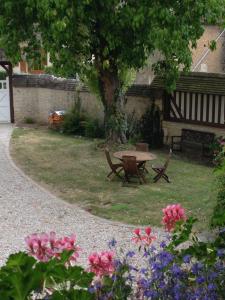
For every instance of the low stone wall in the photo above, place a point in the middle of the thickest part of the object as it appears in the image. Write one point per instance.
(36, 96)
(37, 103)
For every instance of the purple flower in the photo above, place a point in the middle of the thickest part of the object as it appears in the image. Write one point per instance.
(144, 270)
(196, 268)
(200, 279)
(211, 287)
(176, 270)
(152, 294)
(187, 258)
(130, 254)
(220, 252)
(163, 244)
(112, 243)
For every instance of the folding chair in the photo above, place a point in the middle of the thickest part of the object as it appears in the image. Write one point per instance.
(131, 169)
(161, 170)
(142, 147)
(115, 168)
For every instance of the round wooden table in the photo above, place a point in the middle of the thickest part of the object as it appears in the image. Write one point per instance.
(140, 155)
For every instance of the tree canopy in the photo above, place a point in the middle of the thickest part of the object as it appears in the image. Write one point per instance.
(100, 40)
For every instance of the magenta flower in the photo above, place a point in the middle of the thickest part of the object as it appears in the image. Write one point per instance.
(172, 214)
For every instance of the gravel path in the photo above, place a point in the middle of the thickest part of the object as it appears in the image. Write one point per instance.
(25, 208)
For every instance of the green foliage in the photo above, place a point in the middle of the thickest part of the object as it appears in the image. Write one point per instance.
(151, 128)
(92, 128)
(72, 123)
(134, 31)
(218, 217)
(76, 122)
(202, 251)
(3, 75)
(119, 288)
(132, 130)
(23, 275)
(29, 120)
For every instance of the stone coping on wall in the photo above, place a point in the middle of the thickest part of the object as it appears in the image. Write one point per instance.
(51, 82)
(44, 81)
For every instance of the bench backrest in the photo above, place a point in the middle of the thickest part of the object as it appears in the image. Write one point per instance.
(197, 136)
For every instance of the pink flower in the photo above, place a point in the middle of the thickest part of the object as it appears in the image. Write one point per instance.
(102, 263)
(172, 214)
(137, 231)
(145, 240)
(148, 230)
(45, 246)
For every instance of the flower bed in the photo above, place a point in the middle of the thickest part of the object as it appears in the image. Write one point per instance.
(49, 270)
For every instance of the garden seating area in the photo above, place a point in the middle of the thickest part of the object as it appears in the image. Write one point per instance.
(133, 164)
(76, 169)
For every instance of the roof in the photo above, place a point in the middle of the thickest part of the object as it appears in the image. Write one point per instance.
(196, 82)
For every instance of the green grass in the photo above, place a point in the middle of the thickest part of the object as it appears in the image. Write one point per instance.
(76, 169)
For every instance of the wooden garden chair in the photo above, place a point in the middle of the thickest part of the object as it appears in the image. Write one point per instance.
(161, 170)
(131, 169)
(115, 168)
(142, 147)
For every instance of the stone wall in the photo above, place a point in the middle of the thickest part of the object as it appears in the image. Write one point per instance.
(36, 96)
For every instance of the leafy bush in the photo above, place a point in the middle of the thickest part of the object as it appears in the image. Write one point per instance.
(29, 120)
(151, 128)
(3, 75)
(218, 217)
(48, 270)
(218, 150)
(72, 123)
(76, 122)
(133, 128)
(93, 129)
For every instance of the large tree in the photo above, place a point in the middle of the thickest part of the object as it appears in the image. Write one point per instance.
(102, 39)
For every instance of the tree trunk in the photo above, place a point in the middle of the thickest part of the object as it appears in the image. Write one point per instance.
(113, 101)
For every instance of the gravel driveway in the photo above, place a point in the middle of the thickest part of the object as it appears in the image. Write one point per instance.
(25, 208)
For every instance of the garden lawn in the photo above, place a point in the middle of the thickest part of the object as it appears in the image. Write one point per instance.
(75, 169)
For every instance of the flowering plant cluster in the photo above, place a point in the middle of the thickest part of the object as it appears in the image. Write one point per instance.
(172, 214)
(46, 246)
(102, 263)
(150, 271)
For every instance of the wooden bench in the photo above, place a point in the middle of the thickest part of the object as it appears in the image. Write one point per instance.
(189, 136)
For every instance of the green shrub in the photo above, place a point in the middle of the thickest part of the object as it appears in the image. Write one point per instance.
(29, 120)
(93, 129)
(73, 122)
(151, 127)
(218, 217)
(3, 75)
(133, 128)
